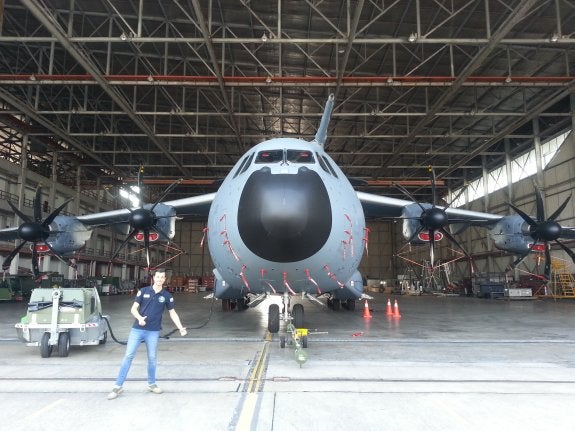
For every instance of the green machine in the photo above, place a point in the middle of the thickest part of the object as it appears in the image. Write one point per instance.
(63, 317)
(16, 287)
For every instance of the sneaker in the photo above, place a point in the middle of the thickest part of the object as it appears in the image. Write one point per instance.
(155, 389)
(115, 392)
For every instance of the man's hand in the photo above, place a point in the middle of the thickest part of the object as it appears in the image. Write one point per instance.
(183, 332)
(142, 321)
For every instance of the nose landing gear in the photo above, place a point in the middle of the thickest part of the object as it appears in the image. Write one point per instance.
(295, 334)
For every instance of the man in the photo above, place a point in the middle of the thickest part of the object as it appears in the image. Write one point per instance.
(148, 309)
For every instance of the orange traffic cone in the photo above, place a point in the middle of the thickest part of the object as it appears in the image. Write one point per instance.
(388, 311)
(396, 310)
(366, 312)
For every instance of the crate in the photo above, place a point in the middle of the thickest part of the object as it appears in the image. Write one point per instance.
(519, 292)
(491, 290)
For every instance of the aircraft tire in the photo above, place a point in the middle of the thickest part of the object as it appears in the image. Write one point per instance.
(274, 318)
(226, 305)
(45, 348)
(297, 312)
(350, 304)
(64, 344)
(335, 304)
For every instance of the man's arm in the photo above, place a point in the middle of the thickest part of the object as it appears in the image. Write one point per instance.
(176, 319)
(136, 313)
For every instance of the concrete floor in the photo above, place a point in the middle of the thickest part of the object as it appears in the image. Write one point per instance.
(448, 363)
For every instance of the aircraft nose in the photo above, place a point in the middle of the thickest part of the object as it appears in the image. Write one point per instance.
(284, 218)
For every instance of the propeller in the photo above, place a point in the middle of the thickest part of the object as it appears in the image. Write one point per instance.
(144, 220)
(434, 219)
(543, 230)
(35, 231)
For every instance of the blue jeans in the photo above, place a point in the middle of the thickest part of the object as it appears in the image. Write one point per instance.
(134, 340)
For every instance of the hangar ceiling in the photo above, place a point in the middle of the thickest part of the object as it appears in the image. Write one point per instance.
(184, 87)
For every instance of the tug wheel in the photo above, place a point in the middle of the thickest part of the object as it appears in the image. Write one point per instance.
(63, 344)
(104, 338)
(45, 348)
(282, 341)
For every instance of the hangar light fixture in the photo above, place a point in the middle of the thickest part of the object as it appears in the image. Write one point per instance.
(412, 37)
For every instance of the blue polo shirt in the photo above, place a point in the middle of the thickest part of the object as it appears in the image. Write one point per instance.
(152, 306)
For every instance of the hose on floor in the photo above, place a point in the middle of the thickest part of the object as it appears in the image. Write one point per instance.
(166, 336)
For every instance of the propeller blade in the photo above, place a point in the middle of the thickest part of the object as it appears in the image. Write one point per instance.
(567, 250)
(540, 206)
(431, 247)
(140, 172)
(524, 216)
(168, 190)
(559, 210)
(128, 238)
(54, 213)
(10, 257)
(147, 246)
(409, 195)
(547, 271)
(61, 258)
(35, 266)
(20, 213)
(518, 260)
(454, 241)
(433, 186)
(38, 205)
(456, 197)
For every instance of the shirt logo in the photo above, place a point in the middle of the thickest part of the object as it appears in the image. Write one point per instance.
(162, 299)
(139, 293)
(146, 295)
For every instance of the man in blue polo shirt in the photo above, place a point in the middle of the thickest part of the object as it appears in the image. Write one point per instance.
(148, 309)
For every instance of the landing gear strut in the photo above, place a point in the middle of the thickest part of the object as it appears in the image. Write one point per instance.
(296, 316)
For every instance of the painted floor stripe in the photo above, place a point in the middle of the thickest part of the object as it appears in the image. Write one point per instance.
(249, 403)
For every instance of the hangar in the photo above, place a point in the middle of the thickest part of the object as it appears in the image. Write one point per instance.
(96, 94)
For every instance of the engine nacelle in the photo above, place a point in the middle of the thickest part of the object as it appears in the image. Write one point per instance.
(166, 221)
(511, 234)
(71, 235)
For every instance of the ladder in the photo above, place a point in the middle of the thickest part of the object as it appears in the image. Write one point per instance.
(562, 280)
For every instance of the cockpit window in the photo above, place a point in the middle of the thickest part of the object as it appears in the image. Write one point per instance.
(299, 156)
(241, 166)
(270, 156)
(332, 170)
(248, 163)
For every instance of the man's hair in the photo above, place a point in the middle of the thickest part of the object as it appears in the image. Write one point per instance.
(160, 271)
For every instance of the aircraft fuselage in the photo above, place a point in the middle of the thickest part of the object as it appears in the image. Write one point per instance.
(286, 219)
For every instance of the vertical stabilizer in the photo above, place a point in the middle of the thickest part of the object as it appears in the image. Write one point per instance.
(321, 134)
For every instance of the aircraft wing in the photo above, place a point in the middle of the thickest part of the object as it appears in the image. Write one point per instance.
(375, 206)
(195, 206)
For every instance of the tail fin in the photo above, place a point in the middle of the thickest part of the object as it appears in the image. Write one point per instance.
(321, 134)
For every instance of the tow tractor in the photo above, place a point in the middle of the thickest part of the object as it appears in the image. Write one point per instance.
(63, 317)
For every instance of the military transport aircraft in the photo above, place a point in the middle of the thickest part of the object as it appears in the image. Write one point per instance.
(287, 221)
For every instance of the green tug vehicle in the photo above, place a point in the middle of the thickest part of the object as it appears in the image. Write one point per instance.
(63, 317)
